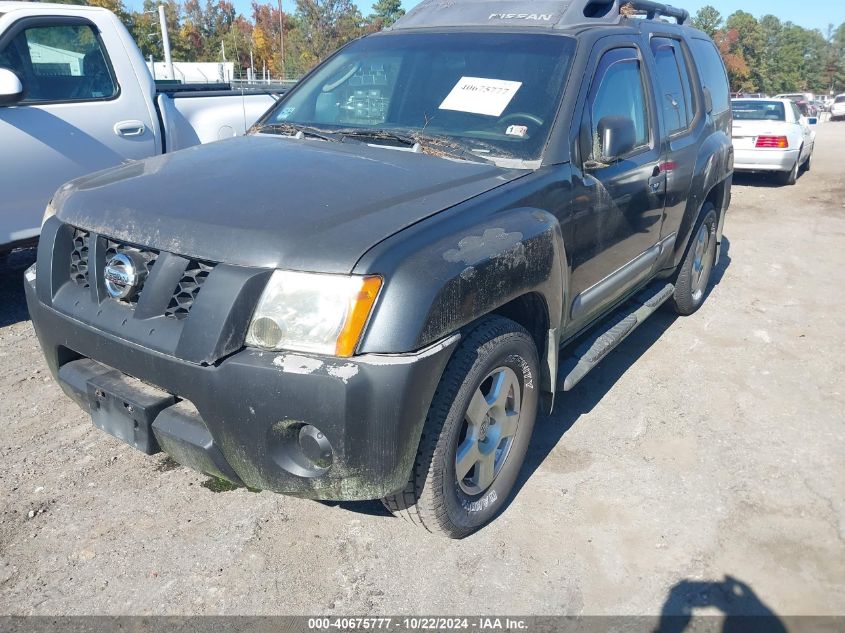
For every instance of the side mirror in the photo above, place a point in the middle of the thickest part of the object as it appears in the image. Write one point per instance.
(11, 88)
(617, 136)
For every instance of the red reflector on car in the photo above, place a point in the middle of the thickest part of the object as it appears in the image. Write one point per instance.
(772, 141)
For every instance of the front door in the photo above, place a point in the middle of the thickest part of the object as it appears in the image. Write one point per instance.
(75, 118)
(619, 207)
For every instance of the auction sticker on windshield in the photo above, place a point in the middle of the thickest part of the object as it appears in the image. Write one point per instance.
(481, 96)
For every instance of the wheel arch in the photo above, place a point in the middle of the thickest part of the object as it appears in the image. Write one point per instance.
(513, 264)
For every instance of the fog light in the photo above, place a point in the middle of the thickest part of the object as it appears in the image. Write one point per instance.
(315, 446)
(299, 448)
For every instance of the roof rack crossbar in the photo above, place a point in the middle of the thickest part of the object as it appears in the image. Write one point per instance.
(653, 9)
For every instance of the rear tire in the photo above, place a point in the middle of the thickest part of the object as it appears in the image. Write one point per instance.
(790, 177)
(476, 433)
(694, 274)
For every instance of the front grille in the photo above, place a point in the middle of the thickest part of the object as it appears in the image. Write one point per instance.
(187, 289)
(182, 296)
(79, 258)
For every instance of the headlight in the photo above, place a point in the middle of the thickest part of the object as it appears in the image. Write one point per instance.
(309, 312)
(49, 212)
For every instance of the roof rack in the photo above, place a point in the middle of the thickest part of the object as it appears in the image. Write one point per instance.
(531, 13)
(654, 9)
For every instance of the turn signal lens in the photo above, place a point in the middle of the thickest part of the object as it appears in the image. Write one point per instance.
(775, 142)
(360, 305)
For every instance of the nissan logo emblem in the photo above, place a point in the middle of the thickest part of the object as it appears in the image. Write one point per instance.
(121, 276)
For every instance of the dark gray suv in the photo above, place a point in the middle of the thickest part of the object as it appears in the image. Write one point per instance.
(446, 223)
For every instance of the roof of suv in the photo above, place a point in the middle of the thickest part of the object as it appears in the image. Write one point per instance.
(555, 14)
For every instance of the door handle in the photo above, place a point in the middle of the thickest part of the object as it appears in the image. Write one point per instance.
(656, 180)
(129, 128)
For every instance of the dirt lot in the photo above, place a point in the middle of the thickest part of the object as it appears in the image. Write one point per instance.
(706, 449)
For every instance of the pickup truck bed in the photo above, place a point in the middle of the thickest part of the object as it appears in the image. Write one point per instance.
(88, 102)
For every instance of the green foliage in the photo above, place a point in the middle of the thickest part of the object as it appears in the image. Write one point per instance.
(771, 56)
(708, 19)
(386, 12)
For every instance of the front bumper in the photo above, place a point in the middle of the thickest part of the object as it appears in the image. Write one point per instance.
(765, 159)
(233, 418)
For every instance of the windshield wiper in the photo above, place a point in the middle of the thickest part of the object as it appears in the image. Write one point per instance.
(300, 131)
(428, 143)
(377, 135)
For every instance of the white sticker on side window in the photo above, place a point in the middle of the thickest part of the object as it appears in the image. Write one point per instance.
(480, 96)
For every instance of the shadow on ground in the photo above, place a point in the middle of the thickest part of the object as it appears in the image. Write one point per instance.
(571, 405)
(741, 609)
(760, 179)
(12, 300)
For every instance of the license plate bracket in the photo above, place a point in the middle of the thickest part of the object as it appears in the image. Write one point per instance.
(126, 408)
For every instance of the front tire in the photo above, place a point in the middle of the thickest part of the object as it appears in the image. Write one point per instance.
(476, 432)
(694, 274)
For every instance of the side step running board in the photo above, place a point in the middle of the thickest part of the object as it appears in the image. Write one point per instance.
(609, 335)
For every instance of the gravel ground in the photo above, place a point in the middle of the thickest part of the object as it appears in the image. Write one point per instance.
(701, 464)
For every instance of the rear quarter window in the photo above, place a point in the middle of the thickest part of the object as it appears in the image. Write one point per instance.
(711, 70)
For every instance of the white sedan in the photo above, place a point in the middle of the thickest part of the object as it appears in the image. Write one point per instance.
(837, 108)
(772, 135)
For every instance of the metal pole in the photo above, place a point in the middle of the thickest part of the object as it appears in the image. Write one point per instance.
(282, 39)
(165, 42)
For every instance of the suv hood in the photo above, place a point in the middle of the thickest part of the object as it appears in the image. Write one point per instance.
(273, 202)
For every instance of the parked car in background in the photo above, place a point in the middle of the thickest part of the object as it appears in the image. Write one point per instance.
(796, 96)
(772, 135)
(837, 108)
(76, 97)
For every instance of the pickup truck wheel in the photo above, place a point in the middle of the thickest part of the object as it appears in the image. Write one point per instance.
(476, 432)
(694, 273)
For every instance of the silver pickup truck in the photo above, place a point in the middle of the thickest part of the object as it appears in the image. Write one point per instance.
(76, 97)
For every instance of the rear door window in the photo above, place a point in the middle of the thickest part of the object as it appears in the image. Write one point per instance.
(673, 81)
(712, 73)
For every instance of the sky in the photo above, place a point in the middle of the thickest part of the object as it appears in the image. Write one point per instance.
(812, 14)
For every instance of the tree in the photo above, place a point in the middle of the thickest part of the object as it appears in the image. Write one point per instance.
(748, 45)
(727, 41)
(386, 12)
(707, 19)
(325, 25)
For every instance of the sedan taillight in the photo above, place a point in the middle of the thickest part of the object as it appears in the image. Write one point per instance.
(779, 142)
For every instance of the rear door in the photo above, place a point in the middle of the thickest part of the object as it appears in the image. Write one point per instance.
(618, 207)
(76, 117)
(680, 110)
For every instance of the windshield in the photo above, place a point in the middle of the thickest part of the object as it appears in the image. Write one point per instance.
(839, 99)
(758, 111)
(494, 94)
